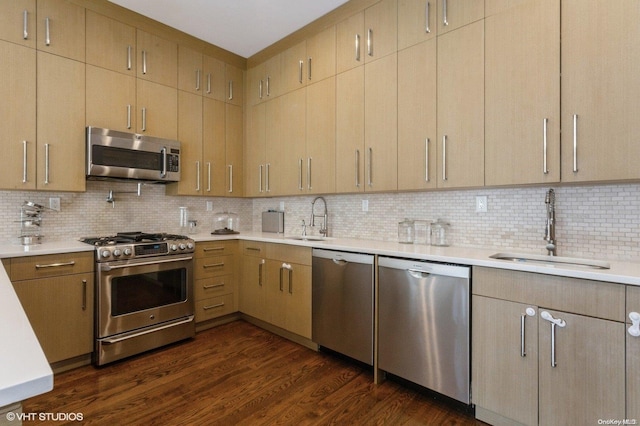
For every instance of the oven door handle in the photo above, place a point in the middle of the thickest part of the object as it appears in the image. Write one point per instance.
(128, 336)
(107, 268)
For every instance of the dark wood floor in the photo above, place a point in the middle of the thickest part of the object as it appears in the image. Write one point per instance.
(239, 374)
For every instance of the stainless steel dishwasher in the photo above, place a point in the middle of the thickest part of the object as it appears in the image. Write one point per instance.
(342, 303)
(424, 324)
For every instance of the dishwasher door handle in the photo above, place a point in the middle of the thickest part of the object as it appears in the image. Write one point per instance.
(339, 261)
(417, 273)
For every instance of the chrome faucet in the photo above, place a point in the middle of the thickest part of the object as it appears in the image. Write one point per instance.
(324, 230)
(550, 230)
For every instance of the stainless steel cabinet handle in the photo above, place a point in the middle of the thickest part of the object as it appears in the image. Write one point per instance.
(267, 186)
(208, 176)
(207, 249)
(260, 90)
(129, 65)
(427, 28)
(260, 267)
(260, 178)
(144, 62)
(207, 287)
(545, 124)
(197, 80)
(426, 160)
(55, 265)
(357, 167)
(286, 266)
(575, 143)
(309, 68)
(25, 24)
(300, 174)
(370, 171)
(230, 90)
(24, 161)
(47, 31)
(46, 164)
(529, 312)
(268, 85)
(370, 42)
(197, 175)
(444, 157)
(84, 295)
(309, 173)
(217, 305)
(230, 178)
(208, 83)
(555, 322)
(144, 119)
(445, 20)
(300, 65)
(128, 116)
(357, 56)
(213, 265)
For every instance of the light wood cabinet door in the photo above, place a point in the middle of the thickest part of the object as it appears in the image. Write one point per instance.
(453, 14)
(294, 67)
(633, 357)
(600, 91)
(417, 144)
(381, 30)
(350, 43)
(320, 164)
(350, 131)
(61, 123)
(190, 135)
(61, 28)
(18, 112)
(287, 143)
(214, 163)
(111, 99)
(253, 287)
(60, 310)
(321, 55)
(522, 94)
(461, 107)
(18, 22)
(587, 382)
(110, 44)
(234, 135)
(213, 78)
(190, 70)
(255, 150)
(157, 109)
(381, 124)
(288, 297)
(158, 59)
(416, 21)
(235, 85)
(505, 373)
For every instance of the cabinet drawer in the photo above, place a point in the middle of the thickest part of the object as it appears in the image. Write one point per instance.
(214, 307)
(215, 248)
(51, 265)
(214, 266)
(254, 248)
(213, 286)
(289, 253)
(574, 295)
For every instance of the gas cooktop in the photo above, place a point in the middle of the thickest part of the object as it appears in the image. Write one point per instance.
(130, 245)
(130, 238)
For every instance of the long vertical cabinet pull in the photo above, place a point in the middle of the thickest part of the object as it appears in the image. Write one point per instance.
(268, 86)
(426, 160)
(370, 42)
(260, 267)
(545, 124)
(230, 166)
(357, 168)
(267, 187)
(300, 174)
(260, 167)
(144, 119)
(427, 28)
(208, 83)
(84, 295)
(47, 31)
(555, 322)
(144, 62)
(357, 55)
(208, 176)
(230, 90)
(309, 173)
(24, 162)
(444, 157)
(309, 68)
(300, 66)
(529, 312)
(260, 90)
(197, 175)
(369, 169)
(46, 164)
(198, 80)
(286, 266)
(25, 24)
(128, 116)
(575, 143)
(129, 64)
(445, 19)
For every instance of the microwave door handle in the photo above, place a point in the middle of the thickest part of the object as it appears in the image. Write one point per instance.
(163, 151)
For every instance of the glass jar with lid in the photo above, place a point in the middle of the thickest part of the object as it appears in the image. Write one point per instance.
(406, 231)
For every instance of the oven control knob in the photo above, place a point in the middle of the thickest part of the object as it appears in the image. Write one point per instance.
(173, 247)
(105, 253)
(182, 246)
(190, 246)
(127, 252)
(117, 252)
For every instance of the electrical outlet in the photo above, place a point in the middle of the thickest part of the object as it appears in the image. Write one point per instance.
(281, 206)
(209, 206)
(481, 204)
(54, 203)
(365, 205)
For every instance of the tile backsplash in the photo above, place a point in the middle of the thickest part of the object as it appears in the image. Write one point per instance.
(592, 221)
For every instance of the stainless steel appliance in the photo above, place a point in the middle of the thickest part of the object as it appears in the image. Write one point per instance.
(424, 333)
(113, 154)
(144, 293)
(342, 303)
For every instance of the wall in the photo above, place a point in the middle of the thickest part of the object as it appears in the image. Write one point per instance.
(592, 221)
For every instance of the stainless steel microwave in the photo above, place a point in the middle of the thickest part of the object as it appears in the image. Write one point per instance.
(120, 155)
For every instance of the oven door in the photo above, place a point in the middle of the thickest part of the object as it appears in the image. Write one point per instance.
(140, 293)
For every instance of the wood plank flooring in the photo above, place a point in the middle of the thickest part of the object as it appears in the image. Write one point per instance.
(239, 374)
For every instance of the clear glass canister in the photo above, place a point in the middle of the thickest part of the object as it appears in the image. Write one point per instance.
(440, 233)
(406, 231)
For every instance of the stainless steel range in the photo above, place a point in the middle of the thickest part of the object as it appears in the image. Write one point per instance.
(144, 293)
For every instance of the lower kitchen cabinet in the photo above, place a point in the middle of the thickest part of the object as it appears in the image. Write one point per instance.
(633, 356)
(56, 292)
(215, 275)
(547, 350)
(252, 290)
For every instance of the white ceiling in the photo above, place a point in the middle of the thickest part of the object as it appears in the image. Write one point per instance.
(243, 27)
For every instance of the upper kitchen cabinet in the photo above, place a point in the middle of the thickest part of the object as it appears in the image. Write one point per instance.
(110, 44)
(61, 28)
(294, 67)
(461, 107)
(234, 78)
(213, 78)
(157, 106)
(321, 136)
(264, 80)
(213, 148)
(416, 21)
(381, 30)
(111, 99)
(190, 70)
(61, 123)
(600, 91)
(18, 138)
(349, 43)
(417, 144)
(234, 135)
(321, 55)
(18, 22)
(255, 168)
(158, 59)
(453, 14)
(522, 92)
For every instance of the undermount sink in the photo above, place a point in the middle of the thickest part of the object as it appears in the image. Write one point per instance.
(308, 238)
(551, 260)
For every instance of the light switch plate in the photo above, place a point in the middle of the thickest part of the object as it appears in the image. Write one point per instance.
(365, 205)
(481, 204)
